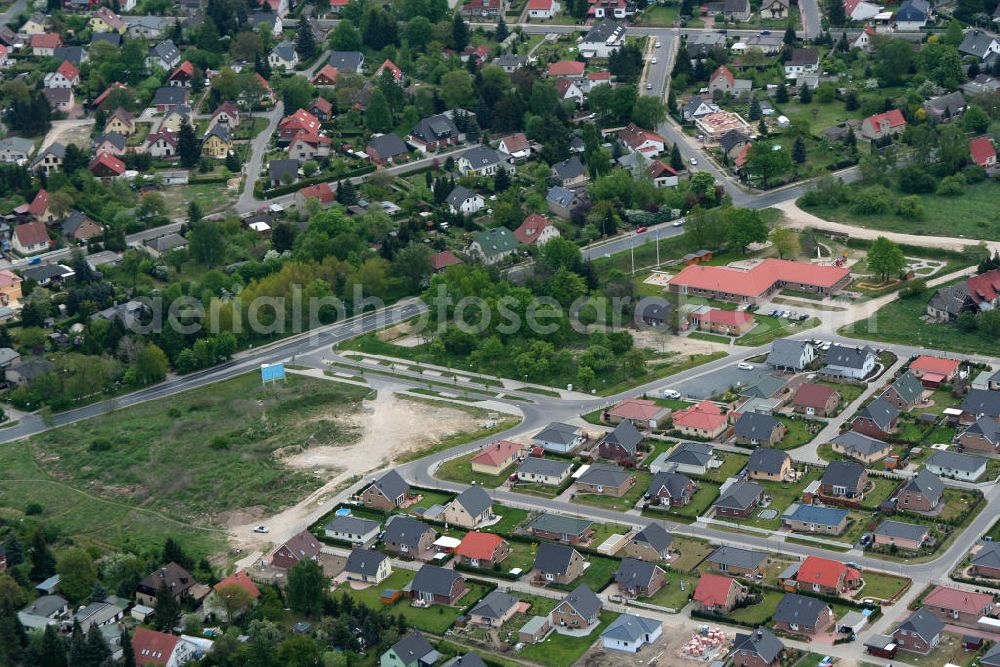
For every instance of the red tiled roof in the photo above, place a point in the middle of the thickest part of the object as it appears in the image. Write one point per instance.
(151, 647)
(636, 408)
(957, 600)
(713, 589)
(813, 395)
(185, 68)
(9, 278)
(39, 204)
(603, 75)
(310, 138)
(657, 169)
(732, 318)
(323, 105)
(742, 157)
(320, 191)
(565, 68)
(705, 415)
(982, 149)
(634, 136)
(108, 161)
(339, 3)
(107, 91)
(327, 73)
(397, 73)
(497, 453)
(894, 116)
(444, 259)
(563, 85)
(928, 364)
(480, 546)
(539, 4)
(532, 227)
(822, 571)
(760, 278)
(724, 72)
(45, 40)
(31, 233)
(241, 579)
(300, 120)
(516, 142)
(68, 70)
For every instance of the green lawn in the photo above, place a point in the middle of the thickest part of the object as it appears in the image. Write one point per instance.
(711, 338)
(800, 431)
(435, 619)
(562, 651)
(883, 488)
(660, 15)
(173, 466)
(598, 574)
(623, 503)
(783, 494)
(731, 464)
(900, 322)
(671, 594)
(759, 613)
(768, 328)
(460, 470)
(511, 518)
(848, 392)
(958, 503)
(881, 586)
(949, 651)
(703, 498)
(971, 214)
(692, 553)
(429, 498)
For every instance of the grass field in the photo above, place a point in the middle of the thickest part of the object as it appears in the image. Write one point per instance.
(624, 503)
(692, 553)
(172, 467)
(510, 518)
(435, 619)
(560, 650)
(460, 470)
(899, 322)
(702, 499)
(671, 594)
(883, 586)
(800, 431)
(769, 328)
(758, 613)
(972, 214)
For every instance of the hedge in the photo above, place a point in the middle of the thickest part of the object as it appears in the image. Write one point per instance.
(306, 182)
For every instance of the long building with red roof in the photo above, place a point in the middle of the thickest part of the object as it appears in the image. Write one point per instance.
(757, 283)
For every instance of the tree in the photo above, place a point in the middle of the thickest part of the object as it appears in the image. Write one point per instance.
(786, 242)
(306, 588)
(754, 111)
(459, 33)
(766, 163)
(456, 89)
(234, 600)
(128, 656)
(151, 364)
(43, 563)
(892, 60)
(885, 258)
(781, 95)
(648, 111)
(187, 146)
(305, 41)
(676, 160)
(77, 574)
(502, 32)
(345, 37)
(207, 244)
(98, 652)
(378, 116)
(168, 609)
(283, 237)
(194, 213)
(347, 194)
(805, 94)
(299, 651)
(799, 150)
(745, 227)
(836, 15)
(296, 92)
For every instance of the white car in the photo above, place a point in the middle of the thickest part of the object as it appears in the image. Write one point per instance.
(671, 393)
(693, 160)
(657, 44)
(744, 366)
(261, 529)
(652, 61)
(649, 86)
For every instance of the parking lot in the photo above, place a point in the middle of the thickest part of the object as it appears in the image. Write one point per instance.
(717, 382)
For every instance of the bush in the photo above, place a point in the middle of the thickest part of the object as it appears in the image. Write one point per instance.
(872, 200)
(915, 180)
(219, 442)
(951, 186)
(913, 289)
(910, 207)
(100, 445)
(33, 509)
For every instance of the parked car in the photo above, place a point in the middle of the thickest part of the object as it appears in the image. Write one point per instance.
(671, 393)
(744, 366)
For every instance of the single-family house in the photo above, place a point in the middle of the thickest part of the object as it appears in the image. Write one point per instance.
(639, 578)
(983, 435)
(849, 362)
(413, 650)
(965, 467)
(803, 62)
(755, 428)
(303, 546)
(534, 470)
(847, 480)
(463, 200)
(437, 585)
(739, 500)
(407, 536)
(959, 607)
(920, 493)
(817, 400)
(718, 594)
(494, 610)
(621, 445)
(908, 536)
(801, 614)
(905, 393)
(496, 457)
(561, 528)
(482, 550)
(367, 566)
(492, 245)
(470, 509)
(558, 563)
(860, 446)
(878, 419)
(579, 609)
(736, 561)
(352, 529)
(652, 543)
(386, 148)
(606, 480)
(671, 489)
(771, 465)
(920, 633)
(882, 125)
(536, 230)
(702, 420)
(790, 355)
(171, 576)
(759, 648)
(629, 633)
(558, 437)
(815, 519)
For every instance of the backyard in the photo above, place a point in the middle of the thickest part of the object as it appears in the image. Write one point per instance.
(623, 503)
(562, 650)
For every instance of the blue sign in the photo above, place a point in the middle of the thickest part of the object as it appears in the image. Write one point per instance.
(272, 372)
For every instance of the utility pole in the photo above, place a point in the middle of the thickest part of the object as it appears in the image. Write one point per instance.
(631, 248)
(657, 247)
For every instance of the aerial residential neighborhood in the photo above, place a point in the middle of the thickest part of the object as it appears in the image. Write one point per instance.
(479, 333)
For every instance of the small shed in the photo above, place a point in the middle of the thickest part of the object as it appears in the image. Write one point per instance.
(389, 596)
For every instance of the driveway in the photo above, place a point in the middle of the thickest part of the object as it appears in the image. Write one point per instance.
(718, 381)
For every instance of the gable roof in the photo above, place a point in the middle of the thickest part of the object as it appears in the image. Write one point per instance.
(926, 484)
(242, 579)
(736, 557)
(988, 555)
(821, 516)
(405, 530)
(691, 453)
(531, 228)
(388, 145)
(495, 241)
(565, 68)
(956, 461)
(982, 402)
(303, 546)
(559, 433)
(863, 445)
(675, 483)
(482, 156)
(444, 259)
(767, 460)
(626, 435)
(908, 387)
(569, 168)
(760, 642)
(807, 56)
(494, 605)
(987, 428)
(740, 495)
(474, 500)
(547, 467)
(713, 589)
(848, 357)
(756, 426)
(412, 647)
(902, 530)
(787, 353)
(823, 571)
(497, 453)
(552, 558)
(881, 412)
(981, 149)
(959, 600)
(153, 648)
(435, 580)
(704, 415)
(634, 572)
(656, 536)
(352, 525)
(364, 561)
(843, 473)
(560, 524)
(479, 546)
(798, 609)
(583, 601)
(922, 623)
(31, 233)
(811, 395)
(602, 474)
(459, 195)
(894, 118)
